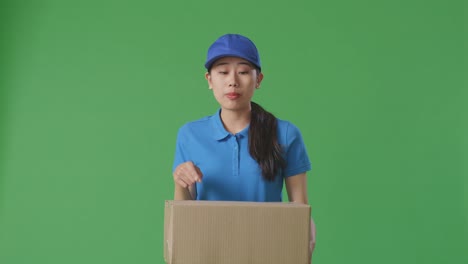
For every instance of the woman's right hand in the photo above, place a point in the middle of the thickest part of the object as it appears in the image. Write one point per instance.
(186, 174)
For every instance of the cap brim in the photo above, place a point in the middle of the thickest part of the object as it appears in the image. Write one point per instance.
(210, 62)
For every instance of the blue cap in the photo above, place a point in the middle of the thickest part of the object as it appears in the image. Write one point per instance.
(233, 45)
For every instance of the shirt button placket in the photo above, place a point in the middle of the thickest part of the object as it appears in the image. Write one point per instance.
(235, 156)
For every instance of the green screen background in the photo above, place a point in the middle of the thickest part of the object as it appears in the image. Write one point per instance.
(92, 94)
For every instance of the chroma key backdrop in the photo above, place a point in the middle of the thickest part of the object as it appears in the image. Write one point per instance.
(92, 94)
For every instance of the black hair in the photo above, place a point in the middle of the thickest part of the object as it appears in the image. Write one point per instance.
(263, 142)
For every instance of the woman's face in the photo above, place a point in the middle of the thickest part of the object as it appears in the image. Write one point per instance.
(233, 81)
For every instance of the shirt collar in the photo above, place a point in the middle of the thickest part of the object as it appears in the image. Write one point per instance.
(220, 132)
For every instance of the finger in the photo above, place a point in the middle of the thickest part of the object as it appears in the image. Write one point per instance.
(187, 179)
(191, 176)
(185, 172)
(194, 171)
(194, 177)
(181, 179)
(199, 174)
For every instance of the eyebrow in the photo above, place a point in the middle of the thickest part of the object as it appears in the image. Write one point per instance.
(225, 63)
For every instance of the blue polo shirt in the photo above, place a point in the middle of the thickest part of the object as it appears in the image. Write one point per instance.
(229, 172)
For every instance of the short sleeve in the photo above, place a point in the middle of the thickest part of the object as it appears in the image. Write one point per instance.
(180, 156)
(297, 159)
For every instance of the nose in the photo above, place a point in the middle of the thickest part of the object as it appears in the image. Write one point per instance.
(233, 82)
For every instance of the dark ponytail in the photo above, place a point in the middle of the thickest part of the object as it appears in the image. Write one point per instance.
(263, 142)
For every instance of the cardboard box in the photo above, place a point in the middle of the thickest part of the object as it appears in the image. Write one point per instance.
(209, 232)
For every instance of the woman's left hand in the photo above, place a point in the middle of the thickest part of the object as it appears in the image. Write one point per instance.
(312, 238)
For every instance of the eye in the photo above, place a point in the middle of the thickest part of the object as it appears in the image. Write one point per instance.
(243, 72)
(222, 72)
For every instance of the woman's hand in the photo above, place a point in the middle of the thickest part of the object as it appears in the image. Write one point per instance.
(185, 175)
(312, 238)
(296, 187)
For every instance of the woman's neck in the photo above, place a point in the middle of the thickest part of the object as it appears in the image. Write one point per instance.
(235, 121)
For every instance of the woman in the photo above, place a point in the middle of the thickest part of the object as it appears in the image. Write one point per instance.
(242, 152)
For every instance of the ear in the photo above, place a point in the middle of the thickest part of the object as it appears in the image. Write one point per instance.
(259, 80)
(208, 78)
